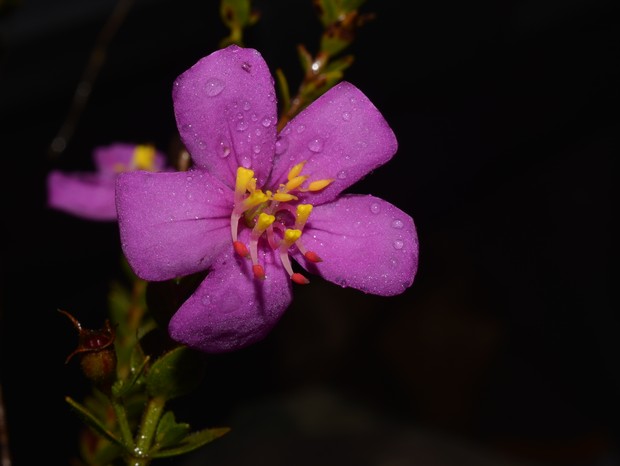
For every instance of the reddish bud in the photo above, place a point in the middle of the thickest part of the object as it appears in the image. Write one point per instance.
(299, 279)
(241, 249)
(96, 351)
(259, 272)
(312, 256)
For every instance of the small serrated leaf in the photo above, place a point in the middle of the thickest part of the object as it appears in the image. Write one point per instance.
(192, 442)
(93, 422)
(170, 432)
(175, 373)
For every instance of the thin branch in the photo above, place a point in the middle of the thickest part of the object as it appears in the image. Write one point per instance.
(90, 73)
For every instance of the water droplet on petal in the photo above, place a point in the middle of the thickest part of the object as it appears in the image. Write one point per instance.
(256, 149)
(224, 149)
(242, 125)
(189, 178)
(346, 116)
(214, 86)
(246, 105)
(281, 145)
(341, 175)
(375, 208)
(315, 145)
(266, 122)
(301, 128)
(397, 224)
(398, 244)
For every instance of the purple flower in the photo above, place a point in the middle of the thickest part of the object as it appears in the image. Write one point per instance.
(90, 195)
(255, 198)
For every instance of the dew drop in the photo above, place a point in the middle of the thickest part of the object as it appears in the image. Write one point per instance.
(375, 208)
(266, 122)
(224, 149)
(245, 66)
(398, 244)
(281, 145)
(214, 86)
(258, 132)
(254, 117)
(315, 145)
(246, 105)
(242, 125)
(341, 175)
(189, 178)
(346, 116)
(256, 149)
(301, 128)
(397, 224)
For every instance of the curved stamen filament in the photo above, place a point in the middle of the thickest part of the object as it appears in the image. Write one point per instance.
(263, 222)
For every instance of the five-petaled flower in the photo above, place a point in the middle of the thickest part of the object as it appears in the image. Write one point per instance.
(90, 195)
(255, 198)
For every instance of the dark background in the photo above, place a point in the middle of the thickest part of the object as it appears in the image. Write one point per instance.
(505, 349)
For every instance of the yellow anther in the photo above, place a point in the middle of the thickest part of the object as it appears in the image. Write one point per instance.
(284, 197)
(254, 199)
(144, 157)
(303, 212)
(290, 236)
(244, 179)
(319, 184)
(263, 222)
(295, 182)
(296, 170)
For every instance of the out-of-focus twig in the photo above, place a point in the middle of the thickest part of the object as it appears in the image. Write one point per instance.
(4, 433)
(89, 75)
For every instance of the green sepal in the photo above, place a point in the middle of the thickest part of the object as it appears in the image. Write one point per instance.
(192, 442)
(175, 373)
(89, 419)
(169, 432)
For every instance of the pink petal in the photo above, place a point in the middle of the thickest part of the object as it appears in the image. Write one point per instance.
(341, 135)
(225, 107)
(109, 158)
(231, 309)
(365, 243)
(172, 223)
(84, 195)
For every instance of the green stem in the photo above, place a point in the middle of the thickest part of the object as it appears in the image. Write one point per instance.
(146, 433)
(123, 423)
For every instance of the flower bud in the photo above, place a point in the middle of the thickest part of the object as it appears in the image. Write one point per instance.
(96, 352)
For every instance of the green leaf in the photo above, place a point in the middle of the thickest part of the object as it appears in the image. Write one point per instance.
(192, 442)
(169, 432)
(93, 422)
(285, 95)
(175, 373)
(123, 387)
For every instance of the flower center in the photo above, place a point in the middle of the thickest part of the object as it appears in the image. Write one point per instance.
(143, 158)
(274, 217)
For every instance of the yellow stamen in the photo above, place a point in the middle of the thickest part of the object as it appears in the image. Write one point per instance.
(244, 179)
(254, 199)
(303, 212)
(318, 185)
(284, 197)
(144, 158)
(296, 170)
(264, 221)
(295, 183)
(290, 236)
